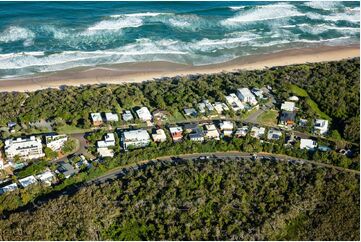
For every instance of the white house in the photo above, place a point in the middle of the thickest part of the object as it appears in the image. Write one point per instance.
(27, 181)
(109, 140)
(294, 99)
(201, 107)
(46, 177)
(211, 132)
(234, 102)
(226, 125)
(144, 114)
(159, 136)
(135, 138)
(127, 116)
(308, 144)
(105, 152)
(245, 95)
(321, 126)
(55, 142)
(208, 105)
(25, 148)
(96, 119)
(241, 132)
(111, 117)
(288, 106)
(257, 132)
(257, 92)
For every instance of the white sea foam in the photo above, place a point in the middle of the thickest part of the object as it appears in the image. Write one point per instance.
(235, 8)
(325, 5)
(116, 24)
(147, 14)
(263, 13)
(16, 33)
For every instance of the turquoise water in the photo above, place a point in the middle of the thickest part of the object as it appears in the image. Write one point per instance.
(42, 36)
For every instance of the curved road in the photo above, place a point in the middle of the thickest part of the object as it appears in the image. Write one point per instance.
(121, 171)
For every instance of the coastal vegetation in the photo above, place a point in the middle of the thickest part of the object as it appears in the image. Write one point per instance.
(332, 87)
(233, 199)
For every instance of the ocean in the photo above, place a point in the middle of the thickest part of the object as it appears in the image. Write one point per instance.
(39, 37)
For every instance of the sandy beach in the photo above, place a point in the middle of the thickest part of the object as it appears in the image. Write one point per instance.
(139, 72)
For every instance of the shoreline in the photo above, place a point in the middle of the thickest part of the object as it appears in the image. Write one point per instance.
(139, 72)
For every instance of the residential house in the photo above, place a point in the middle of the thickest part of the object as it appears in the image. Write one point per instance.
(201, 107)
(288, 106)
(190, 112)
(257, 132)
(9, 188)
(135, 139)
(96, 119)
(197, 135)
(127, 116)
(24, 148)
(109, 140)
(105, 152)
(308, 144)
(66, 169)
(241, 132)
(159, 136)
(245, 95)
(211, 132)
(111, 117)
(188, 128)
(144, 114)
(55, 142)
(176, 133)
(227, 128)
(27, 181)
(321, 126)
(274, 134)
(208, 105)
(220, 107)
(257, 92)
(234, 102)
(287, 118)
(46, 177)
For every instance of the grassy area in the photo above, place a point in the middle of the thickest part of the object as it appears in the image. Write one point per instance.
(33, 169)
(298, 91)
(268, 118)
(316, 109)
(68, 129)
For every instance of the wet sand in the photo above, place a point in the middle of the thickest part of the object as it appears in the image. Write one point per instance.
(139, 72)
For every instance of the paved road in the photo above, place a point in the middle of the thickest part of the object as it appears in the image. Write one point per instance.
(121, 171)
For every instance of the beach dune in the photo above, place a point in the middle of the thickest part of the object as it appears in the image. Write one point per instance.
(139, 72)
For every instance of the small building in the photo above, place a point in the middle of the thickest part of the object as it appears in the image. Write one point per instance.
(159, 136)
(227, 128)
(27, 181)
(274, 134)
(105, 152)
(190, 112)
(135, 139)
(66, 169)
(294, 99)
(288, 106)
(11, 125)
(308, 144)
(321, 126)
(257, 92)
(197, 135)
(144, 114)
(96, 119)
(211, 132)
(109, 140)
(111, 117)
(220, 107)
(257, 132)
(302, 122)
(201, 107)
(287, 118)
(55, 142)
(46, 177)
(176, 133)
(24, 148)
(127, 116)
(9, 188)
(82, 162)
(208, 105)
(242, 132)
(234, 102)
(245, 95)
